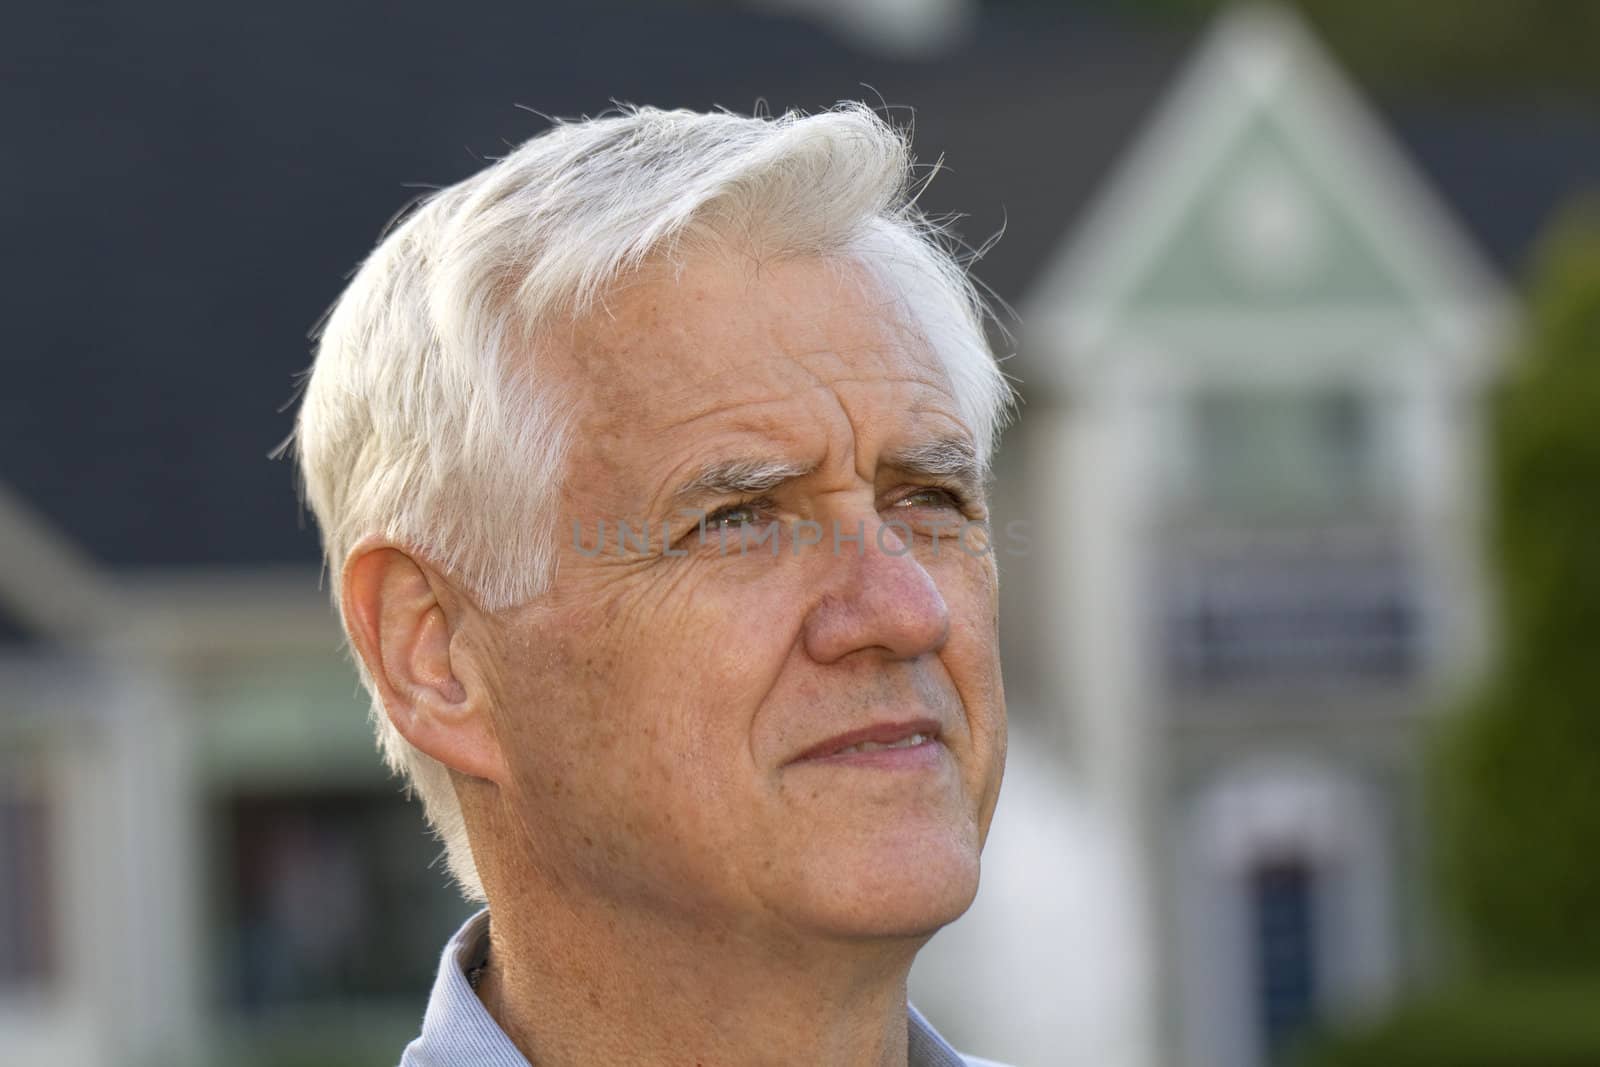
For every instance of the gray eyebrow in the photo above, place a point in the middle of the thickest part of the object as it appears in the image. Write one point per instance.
(739, 477)
(949, 458)
(952, 458)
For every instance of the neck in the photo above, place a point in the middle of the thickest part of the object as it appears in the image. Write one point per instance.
(575, 987)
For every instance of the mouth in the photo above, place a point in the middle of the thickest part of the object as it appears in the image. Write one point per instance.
(886, 742)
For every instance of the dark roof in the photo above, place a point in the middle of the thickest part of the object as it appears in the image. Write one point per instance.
(1504, 169)
(187, 186)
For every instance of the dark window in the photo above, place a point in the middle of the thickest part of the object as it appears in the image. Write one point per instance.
(332, 896)
(1282, 904)
(27, 921)
(1302, 615)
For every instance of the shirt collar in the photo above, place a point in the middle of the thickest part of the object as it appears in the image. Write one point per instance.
(457, 1030)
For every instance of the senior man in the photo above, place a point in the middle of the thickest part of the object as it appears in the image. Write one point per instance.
(631, 456)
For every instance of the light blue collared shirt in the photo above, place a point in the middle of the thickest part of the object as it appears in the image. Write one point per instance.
(458, 1031)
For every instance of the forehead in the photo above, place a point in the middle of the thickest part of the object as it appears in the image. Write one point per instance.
(724, 348)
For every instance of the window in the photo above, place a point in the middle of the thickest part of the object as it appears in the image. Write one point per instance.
(1303, 613)
(335, 895)
(27, 874)
(1278, 449)
(1282, 905)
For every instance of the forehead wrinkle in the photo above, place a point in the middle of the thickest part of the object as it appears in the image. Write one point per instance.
(763, 405)
(821, 366)
(903, 418)
(756, 389)
(721, 406)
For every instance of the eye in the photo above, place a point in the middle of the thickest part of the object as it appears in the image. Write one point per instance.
(734, 515)
(932, 496)
(730, 519)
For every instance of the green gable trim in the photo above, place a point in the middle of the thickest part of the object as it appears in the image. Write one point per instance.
(1307, 252)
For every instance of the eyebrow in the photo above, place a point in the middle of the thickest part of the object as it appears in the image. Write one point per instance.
(951, 459)
(738, 477)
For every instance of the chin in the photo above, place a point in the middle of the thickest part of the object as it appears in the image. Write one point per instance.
(906, 888)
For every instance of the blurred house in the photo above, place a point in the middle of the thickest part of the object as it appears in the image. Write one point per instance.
(1252, 441)
(1256, 330)
(200, 859)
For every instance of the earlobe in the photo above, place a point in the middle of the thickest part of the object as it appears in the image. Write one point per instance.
(395, 611)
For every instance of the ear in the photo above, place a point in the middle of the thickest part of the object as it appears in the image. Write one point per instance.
(395, 611)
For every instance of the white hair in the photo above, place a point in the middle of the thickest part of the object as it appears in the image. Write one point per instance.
(425, 418)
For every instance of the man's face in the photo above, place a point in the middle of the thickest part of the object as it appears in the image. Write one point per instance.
(673, 723)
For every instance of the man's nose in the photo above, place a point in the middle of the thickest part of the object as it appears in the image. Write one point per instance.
(877, 595)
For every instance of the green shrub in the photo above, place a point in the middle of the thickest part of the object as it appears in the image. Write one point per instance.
(1518, 773)
(1550, 1024)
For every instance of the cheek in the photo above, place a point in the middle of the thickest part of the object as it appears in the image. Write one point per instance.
(640, 707)
(550, 722)
(972, 653)
(697, 646)
(972, 659)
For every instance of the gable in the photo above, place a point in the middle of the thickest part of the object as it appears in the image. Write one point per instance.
(1264, 196)
(1264, 233)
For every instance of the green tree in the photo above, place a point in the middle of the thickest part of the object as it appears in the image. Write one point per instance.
(1520, 776)
(1517, 773)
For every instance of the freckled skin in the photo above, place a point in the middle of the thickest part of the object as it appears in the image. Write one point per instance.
(650, 707)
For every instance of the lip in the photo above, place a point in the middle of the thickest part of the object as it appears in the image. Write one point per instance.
(883, 733)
